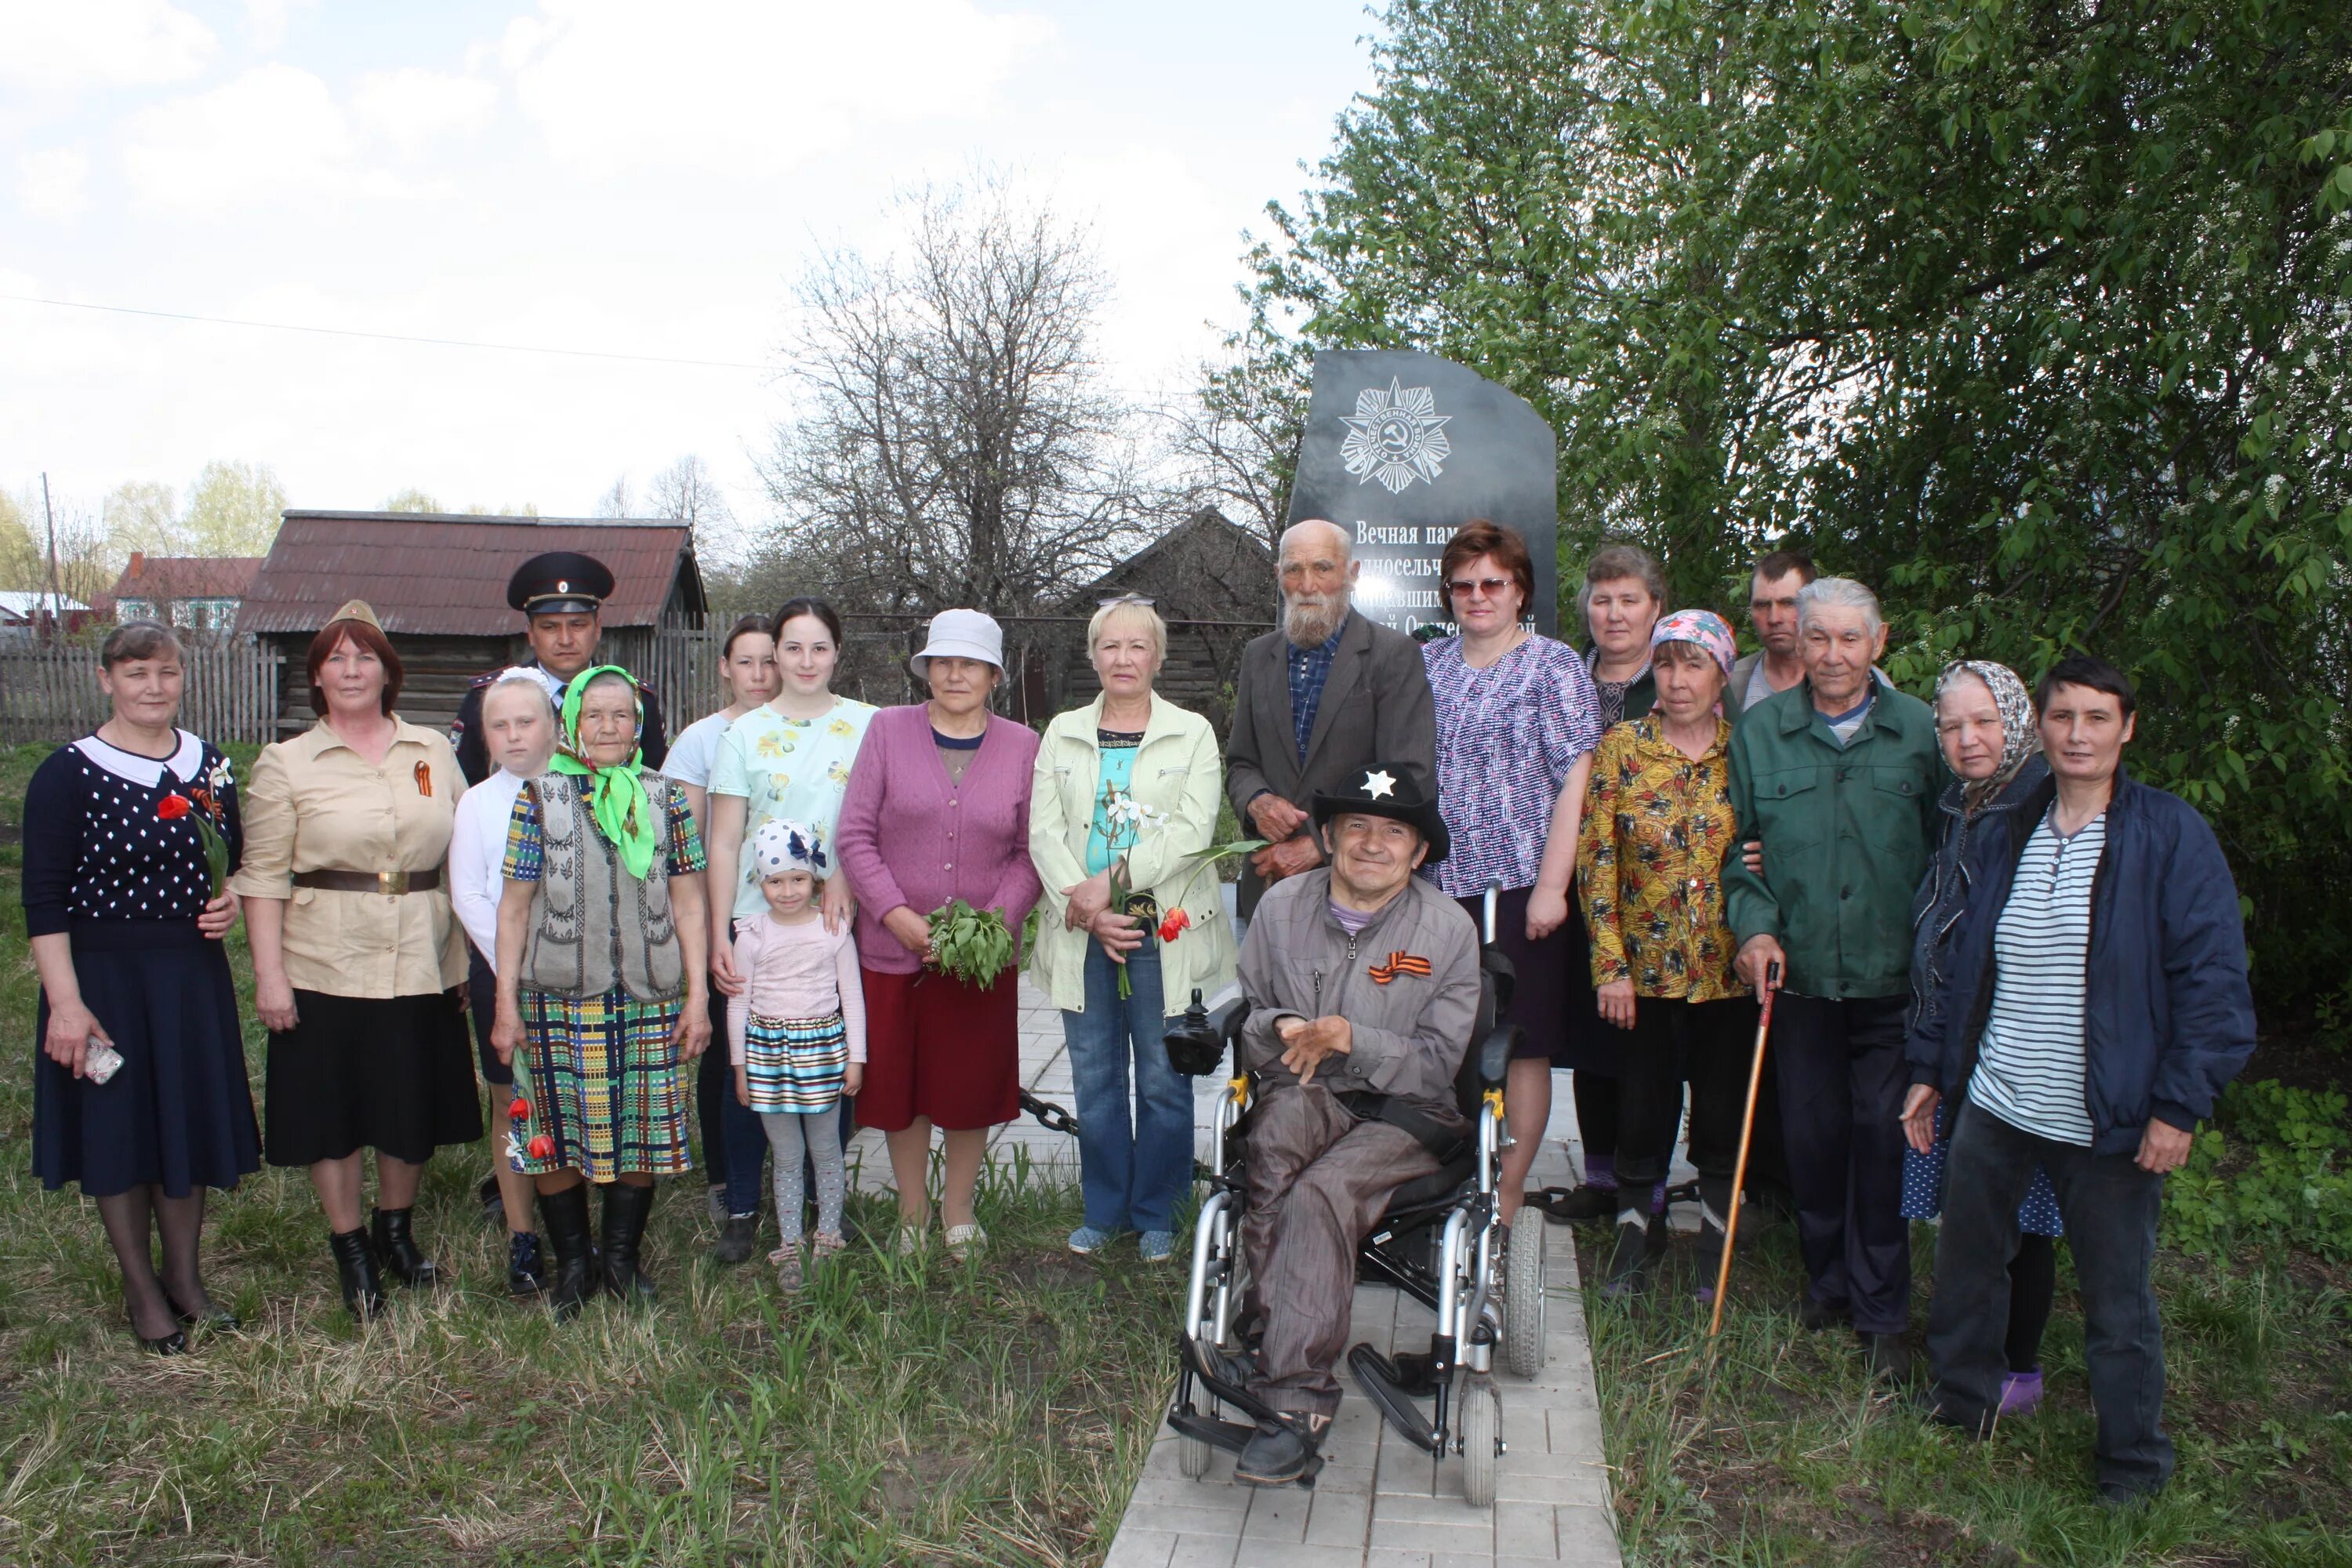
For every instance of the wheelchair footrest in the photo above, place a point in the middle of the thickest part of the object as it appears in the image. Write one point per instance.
(1387, 1386)
(1232, 1437)
(1210, 1370)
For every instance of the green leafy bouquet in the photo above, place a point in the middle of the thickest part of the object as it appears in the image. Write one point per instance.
(973, 945)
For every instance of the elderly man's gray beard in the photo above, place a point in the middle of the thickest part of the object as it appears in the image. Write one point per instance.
(1309, 619)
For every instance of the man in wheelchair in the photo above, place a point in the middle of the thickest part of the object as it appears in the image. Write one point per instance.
(1363, 985)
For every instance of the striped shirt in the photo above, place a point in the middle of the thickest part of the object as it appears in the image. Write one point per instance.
(2030, 1068)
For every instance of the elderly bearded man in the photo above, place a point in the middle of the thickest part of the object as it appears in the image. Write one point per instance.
(1315, 702)
(1362, 981)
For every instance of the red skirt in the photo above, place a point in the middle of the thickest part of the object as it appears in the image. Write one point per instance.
(940, 1051)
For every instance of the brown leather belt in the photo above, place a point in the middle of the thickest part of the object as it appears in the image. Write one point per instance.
(391, 882)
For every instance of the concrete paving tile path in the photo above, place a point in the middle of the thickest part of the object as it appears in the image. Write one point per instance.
(1373, 1505)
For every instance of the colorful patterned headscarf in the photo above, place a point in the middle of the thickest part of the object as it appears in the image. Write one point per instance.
(2020, 736)
(617, 795)
(1703, 628)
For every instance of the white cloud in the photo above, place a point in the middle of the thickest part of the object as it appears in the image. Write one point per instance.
(49, 182)
(61, 44)
(752, 85)
(412, 108)
(265, 20)
(275, 131)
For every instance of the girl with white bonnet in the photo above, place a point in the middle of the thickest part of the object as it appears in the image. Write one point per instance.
(796, 1034)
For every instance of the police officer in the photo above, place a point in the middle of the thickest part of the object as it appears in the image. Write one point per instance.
(561, 595)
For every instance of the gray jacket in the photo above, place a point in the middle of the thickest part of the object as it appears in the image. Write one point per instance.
(1376, 708)
(593, 925)
(1409, 1031)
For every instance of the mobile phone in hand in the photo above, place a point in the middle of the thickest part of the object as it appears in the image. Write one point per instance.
(100, 1061)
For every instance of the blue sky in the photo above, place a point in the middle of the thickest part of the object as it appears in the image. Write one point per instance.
(611, 174)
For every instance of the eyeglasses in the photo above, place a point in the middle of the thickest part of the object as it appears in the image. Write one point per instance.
(1141, 601)
(1492, 587)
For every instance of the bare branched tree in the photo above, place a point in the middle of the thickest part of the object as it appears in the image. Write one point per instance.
(956, 445)
(1237, 440)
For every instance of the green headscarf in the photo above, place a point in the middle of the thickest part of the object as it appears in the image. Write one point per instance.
(618, 796)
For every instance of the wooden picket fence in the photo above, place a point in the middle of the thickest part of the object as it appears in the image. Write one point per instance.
(49, 692)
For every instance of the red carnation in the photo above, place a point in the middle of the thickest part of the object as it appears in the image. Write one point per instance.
(540, 1147)
(172, 807)
(1177, 920)
(518, 1110)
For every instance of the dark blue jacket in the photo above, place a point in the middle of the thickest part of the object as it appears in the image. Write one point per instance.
(2168, 1018)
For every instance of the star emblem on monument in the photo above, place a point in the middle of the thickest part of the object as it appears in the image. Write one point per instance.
(1396, 436)
(1379, 786)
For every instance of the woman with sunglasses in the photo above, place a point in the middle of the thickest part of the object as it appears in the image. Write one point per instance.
(1516, 724)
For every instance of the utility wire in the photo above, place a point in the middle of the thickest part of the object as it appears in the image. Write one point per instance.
(384, 337)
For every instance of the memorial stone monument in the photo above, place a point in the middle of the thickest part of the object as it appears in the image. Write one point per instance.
(1400, 449)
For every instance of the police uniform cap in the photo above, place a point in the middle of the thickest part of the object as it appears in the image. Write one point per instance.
(560, 582)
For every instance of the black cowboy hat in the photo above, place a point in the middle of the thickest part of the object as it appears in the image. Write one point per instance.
(560, 582)
(1385, 789)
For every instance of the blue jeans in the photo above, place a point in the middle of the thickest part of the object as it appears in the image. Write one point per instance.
(1132, 1172)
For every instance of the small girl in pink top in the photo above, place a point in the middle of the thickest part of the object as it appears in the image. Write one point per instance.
(796, 1034)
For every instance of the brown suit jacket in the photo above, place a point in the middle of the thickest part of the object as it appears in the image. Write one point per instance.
(1376, 708)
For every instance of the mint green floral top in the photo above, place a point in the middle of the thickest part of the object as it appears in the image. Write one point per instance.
(795, 768)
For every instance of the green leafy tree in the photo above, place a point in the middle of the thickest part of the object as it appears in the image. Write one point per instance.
(233, 509)
(2035, 316)
(410, 500)
(142, 516)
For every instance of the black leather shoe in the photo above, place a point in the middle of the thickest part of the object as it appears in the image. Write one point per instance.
(397, 1246)
(1579, 1205)
(215, 1318)
(1815, 1316)
(355, 1261)
(173, 1343)
(526, 1273)
(1890, 1358)
(1282, 1451)
(1629, 1257)
(737, 1238)
(625, 1210)
(565, 1217)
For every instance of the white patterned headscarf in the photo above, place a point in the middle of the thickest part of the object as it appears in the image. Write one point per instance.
(2020, 736)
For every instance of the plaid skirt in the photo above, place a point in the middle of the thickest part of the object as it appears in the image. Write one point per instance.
(794, 1064)
(603, 1084)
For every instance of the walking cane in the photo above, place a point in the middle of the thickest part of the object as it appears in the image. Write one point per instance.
(1747, 1129)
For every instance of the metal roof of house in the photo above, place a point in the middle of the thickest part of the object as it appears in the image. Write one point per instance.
(427, 574)
(164, 578)
(27, 602)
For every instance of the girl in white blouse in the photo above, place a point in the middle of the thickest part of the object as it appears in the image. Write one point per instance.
(519, 731)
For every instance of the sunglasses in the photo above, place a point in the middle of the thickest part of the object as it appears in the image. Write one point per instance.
(1492, 587)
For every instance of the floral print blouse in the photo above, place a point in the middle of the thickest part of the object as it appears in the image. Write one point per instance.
(1656, 829)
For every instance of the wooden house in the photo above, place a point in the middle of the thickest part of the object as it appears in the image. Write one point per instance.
(439, 583)
(1212, 580)
(201, 592)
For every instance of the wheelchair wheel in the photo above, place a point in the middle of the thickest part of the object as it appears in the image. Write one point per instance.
(1523, 1295)
(1482, 1430)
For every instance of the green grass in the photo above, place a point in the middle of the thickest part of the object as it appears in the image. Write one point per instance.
(1778, 1450)
(895, 1413)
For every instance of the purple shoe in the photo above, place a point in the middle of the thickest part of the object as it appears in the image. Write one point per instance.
(2021, 1391)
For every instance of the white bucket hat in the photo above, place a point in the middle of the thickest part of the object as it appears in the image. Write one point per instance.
(962, 634)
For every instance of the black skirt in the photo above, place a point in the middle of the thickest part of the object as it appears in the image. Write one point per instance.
(178, 1113)
(1587, 1042)
(393, 1074)
(1544, 990)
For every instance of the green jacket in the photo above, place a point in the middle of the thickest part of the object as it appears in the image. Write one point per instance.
(1847, 834)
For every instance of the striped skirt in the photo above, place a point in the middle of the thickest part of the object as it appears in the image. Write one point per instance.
(794, 1064)
(602, 1083)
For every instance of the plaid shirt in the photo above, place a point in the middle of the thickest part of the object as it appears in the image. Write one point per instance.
(1310, 668)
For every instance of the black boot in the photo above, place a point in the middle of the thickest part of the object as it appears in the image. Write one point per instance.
(626, 1209)
(565, 1217)
(1714, 1208)
(403, 1259)
(526, 1269)
(355, 1261)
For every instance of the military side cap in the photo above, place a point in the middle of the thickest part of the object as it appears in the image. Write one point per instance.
(560, 582)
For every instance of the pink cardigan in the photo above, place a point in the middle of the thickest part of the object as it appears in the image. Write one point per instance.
(908, 838)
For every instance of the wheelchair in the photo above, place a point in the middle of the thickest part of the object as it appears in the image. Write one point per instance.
(1436, 1241)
